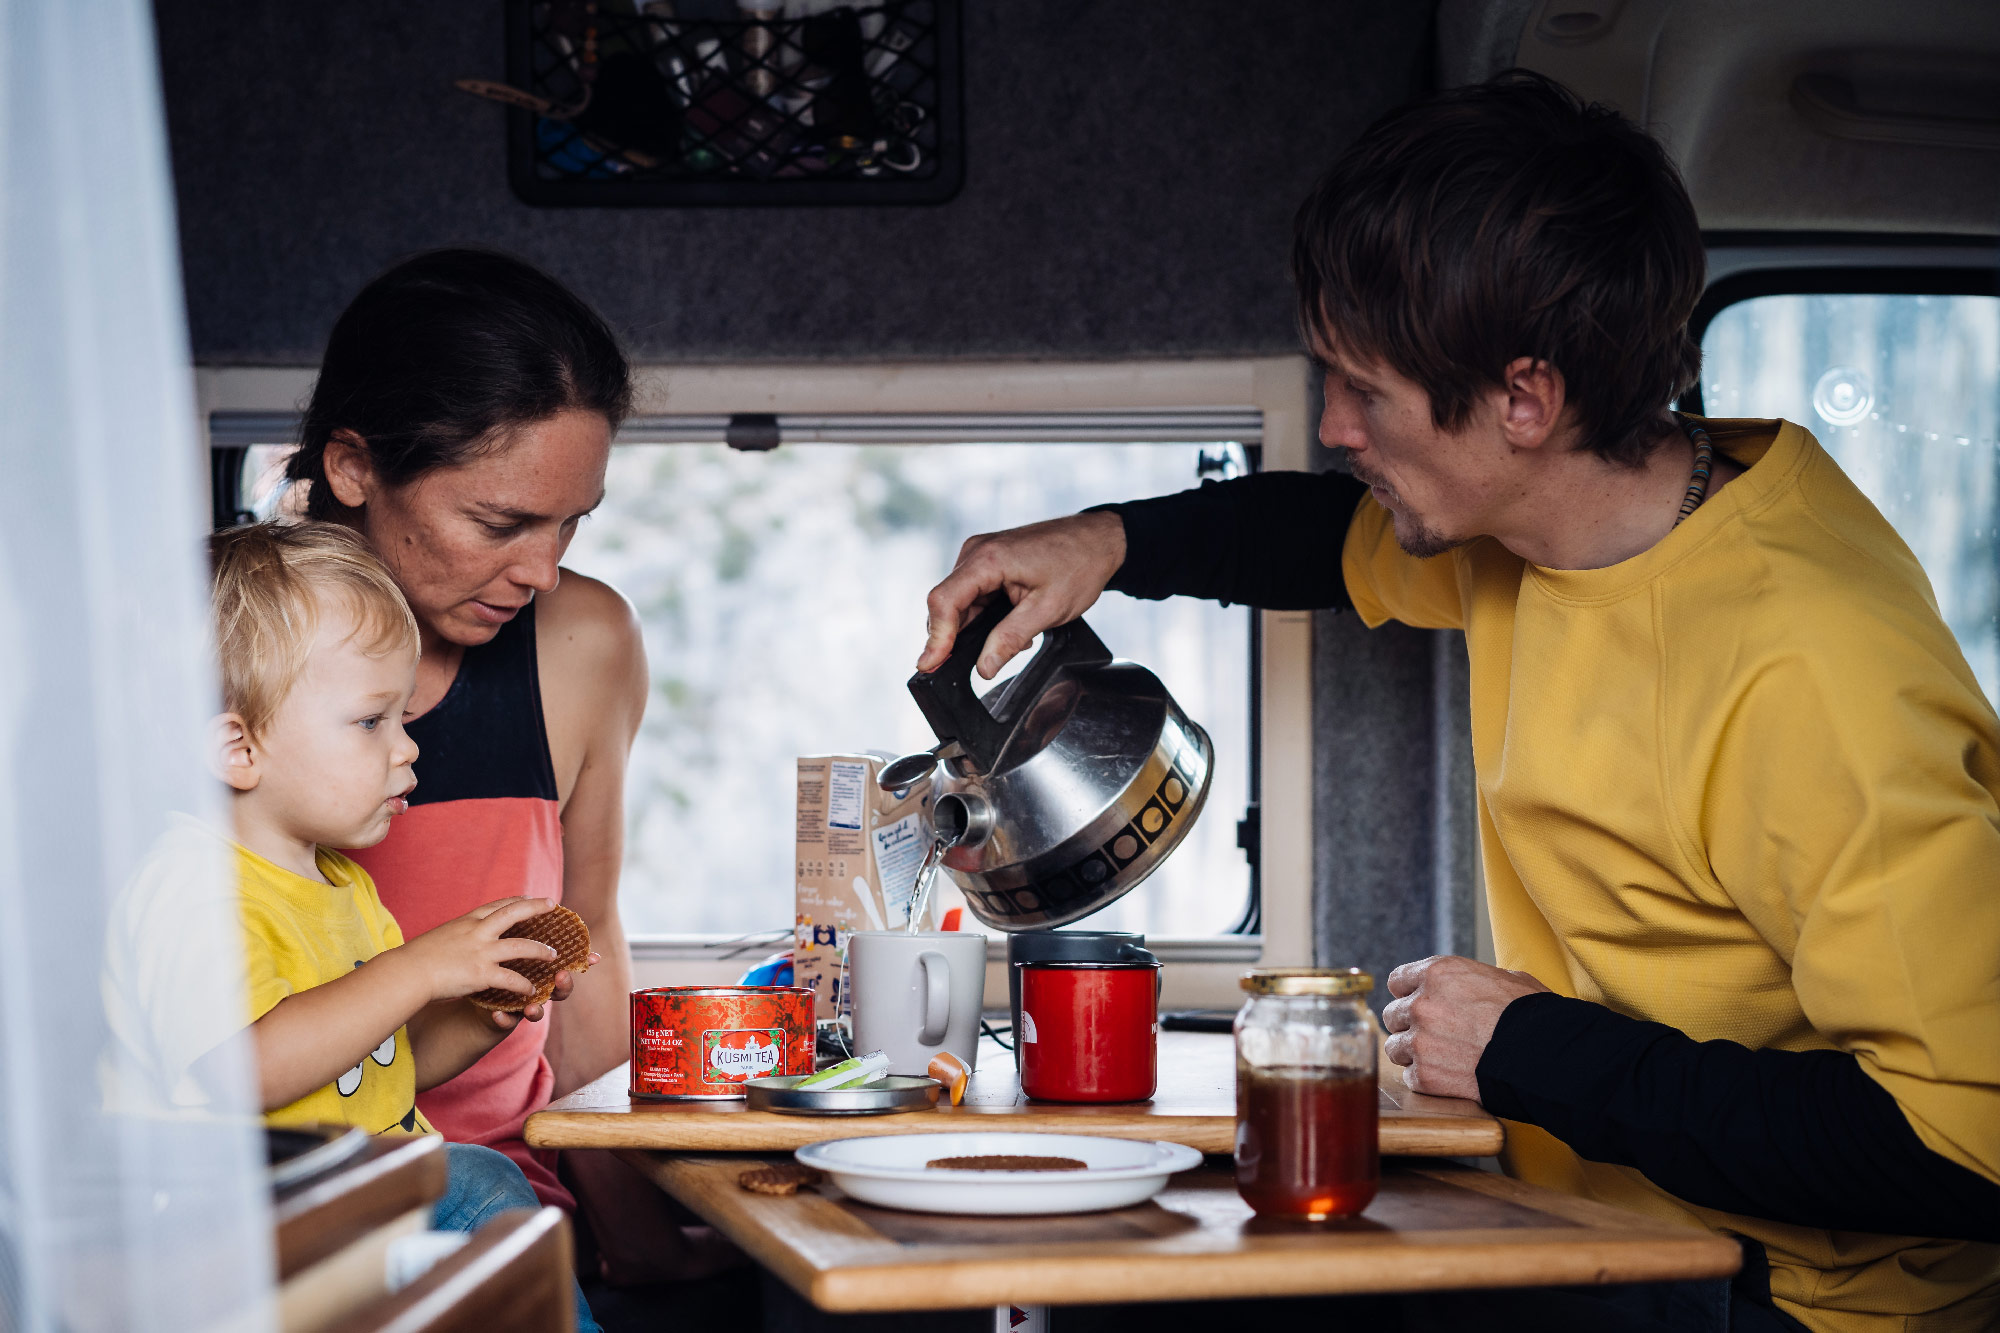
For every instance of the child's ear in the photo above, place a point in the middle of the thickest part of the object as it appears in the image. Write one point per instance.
(232, 756)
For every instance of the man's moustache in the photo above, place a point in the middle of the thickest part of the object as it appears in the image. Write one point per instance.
(1367, 480)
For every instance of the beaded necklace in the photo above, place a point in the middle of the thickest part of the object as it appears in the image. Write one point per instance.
(1704, 464)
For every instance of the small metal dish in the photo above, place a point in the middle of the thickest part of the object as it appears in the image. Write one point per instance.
(781, 1093)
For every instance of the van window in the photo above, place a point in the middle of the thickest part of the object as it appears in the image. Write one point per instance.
(782, 598)
(781, 595)
(1904, 393)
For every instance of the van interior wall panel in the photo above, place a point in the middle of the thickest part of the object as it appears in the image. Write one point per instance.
(1457, 890)
(1393, 834)
(1131, 172)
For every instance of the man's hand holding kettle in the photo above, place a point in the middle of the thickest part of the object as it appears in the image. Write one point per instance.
(1053, 572)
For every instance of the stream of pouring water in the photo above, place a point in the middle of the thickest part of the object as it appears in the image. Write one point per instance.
(920, 892)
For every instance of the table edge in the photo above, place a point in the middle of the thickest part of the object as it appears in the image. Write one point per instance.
(959, 1284)
(1402, 1134)
(1644, 1250)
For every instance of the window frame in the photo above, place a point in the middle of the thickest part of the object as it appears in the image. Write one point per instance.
(1277, 930)
(1833, 280)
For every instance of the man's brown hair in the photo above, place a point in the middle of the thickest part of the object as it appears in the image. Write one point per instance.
(1504, 220)
(269, 580)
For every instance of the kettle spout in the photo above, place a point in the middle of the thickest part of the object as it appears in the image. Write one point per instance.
(962, 819)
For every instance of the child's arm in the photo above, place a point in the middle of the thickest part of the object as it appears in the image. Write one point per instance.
(447, 1038)
(309, 1039)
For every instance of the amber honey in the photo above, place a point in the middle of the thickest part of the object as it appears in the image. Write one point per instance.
(1306, 1143)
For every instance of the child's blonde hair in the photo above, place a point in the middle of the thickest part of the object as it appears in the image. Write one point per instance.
(267, 584)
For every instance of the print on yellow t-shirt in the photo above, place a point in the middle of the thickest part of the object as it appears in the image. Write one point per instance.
(298, 934)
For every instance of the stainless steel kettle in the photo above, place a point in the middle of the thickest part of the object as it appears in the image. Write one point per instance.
(1067, 785)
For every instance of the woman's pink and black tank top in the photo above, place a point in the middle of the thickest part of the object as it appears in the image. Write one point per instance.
(482, 825)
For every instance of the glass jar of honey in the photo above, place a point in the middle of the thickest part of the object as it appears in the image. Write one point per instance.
(1305, 1093)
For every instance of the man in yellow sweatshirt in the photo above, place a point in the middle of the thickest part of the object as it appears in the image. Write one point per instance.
(1739, 793)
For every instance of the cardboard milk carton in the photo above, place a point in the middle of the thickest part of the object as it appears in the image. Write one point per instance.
(858, 852)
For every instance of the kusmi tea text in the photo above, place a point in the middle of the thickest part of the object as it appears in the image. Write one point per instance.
(736, 1055)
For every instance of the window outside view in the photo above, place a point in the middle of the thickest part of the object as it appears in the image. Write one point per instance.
(1904, 393)
(782, 597)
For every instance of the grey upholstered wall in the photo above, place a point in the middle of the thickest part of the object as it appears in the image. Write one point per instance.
(1131, 170)
(1395, 859)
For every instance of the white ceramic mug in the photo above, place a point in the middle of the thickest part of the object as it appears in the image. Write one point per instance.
(916, 995)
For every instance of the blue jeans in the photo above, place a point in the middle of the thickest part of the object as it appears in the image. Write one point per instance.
(481, 1183)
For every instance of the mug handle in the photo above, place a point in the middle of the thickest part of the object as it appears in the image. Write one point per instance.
(1133, 953)
(937, 997)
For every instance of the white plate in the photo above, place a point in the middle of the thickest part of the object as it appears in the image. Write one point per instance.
(889, 1170)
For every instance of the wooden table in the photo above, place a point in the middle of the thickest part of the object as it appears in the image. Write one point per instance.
(1433, 1227)
(1195, 1105)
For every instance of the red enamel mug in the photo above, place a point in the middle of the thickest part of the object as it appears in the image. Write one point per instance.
(1089, 1031)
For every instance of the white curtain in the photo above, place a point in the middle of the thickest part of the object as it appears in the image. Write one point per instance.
(132, 1190)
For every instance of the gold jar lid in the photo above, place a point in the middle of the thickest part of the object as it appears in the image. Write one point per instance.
(1307, 981)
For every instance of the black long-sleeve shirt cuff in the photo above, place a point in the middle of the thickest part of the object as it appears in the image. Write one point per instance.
(1271, 540)
(1795, 1136)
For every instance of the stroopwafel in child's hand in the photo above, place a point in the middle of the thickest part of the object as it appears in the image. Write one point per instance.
(560, 929)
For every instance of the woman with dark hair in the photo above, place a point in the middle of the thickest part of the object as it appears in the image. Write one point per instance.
(462, 420)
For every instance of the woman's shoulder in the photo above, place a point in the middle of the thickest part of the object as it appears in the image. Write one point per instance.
(587, 631)
(585, 611)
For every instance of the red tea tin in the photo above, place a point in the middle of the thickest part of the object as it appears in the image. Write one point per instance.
(1089, 1031)
(692, 1042)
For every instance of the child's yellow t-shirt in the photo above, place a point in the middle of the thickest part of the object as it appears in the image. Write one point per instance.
(298, 934)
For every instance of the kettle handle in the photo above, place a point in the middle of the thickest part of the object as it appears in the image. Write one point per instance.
(956, 713)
